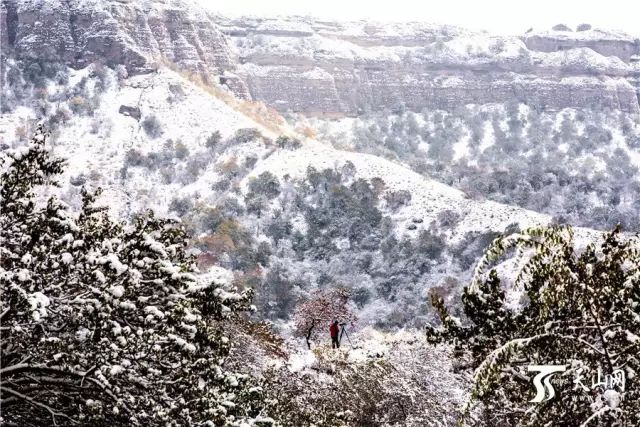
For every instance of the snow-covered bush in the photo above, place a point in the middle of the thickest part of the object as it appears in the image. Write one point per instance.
(288, 142)
(245, 135)
(408, 383)
(560, 27)
(177, 93)
(181, 205)
(266, 184)
(213, 140)
(181, 150)
(152, 126)
(396, 199)
(105, 322)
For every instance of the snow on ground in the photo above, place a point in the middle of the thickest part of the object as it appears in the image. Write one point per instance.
(97, 145)
(582, 58)
(588, 35)
(305, 41)
(302, 360)
(429, 197)
(484, 45)
(99, 151)
(194, 116)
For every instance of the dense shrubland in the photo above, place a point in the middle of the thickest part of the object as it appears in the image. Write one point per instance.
(45, 87)
(329, 229)
(108, 322)
(573, 165)
(411, 384)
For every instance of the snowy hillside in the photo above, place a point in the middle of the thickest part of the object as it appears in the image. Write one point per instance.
(97, 146)
(182, 148)
(577, 165)
(429, 198)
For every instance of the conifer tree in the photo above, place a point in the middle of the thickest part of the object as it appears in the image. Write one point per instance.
(106, 322)
(579, 310)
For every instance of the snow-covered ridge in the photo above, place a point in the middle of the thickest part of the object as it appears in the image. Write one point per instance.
(102, 154)
(429, 198)
(96, 148)
(147, 145)
(592, 34)
(310, 35)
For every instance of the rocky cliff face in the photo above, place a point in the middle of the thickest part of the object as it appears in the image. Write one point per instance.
(135, 34)
(317, 67)
(607, 43)
(327, 68)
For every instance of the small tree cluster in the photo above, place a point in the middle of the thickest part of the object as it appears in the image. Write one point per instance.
(152, 126)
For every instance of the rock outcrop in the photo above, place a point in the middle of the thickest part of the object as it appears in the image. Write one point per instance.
(328, 68)
(133, 33)
(606, 43)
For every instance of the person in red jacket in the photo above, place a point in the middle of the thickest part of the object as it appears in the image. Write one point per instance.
(334, 331)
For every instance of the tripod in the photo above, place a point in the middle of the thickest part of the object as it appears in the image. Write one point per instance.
(343, 331)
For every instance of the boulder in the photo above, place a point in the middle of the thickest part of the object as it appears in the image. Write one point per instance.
(134, 112)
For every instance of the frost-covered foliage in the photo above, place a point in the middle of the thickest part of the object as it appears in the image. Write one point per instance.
(579, 310)
(152, 126)
(407, 384)
(313, 317)
(332, 229)
(107, 323)
(45, 86)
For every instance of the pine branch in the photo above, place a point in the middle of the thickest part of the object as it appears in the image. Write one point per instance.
(35, 403)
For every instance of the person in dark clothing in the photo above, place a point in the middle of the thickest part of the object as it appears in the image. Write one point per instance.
(334, 331)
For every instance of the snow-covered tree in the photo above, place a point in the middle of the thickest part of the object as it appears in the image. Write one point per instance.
(106, 322)
(313, 316)
(579, 310)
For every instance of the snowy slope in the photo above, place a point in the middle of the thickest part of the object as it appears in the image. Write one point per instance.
(99, 146)
(428, 197)
(96, 147)
(193, 118)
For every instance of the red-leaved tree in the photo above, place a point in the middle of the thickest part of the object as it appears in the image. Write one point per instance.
(315, 314)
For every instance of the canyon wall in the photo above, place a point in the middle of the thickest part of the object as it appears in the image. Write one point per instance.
(317, 67)
(328, 68)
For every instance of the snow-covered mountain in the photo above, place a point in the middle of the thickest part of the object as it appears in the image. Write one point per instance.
(329, 69)
(377, 161)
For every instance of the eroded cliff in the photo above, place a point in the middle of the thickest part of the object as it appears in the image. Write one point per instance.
(327, 68)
